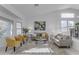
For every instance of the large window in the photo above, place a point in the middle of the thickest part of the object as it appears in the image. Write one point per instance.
(67, 15)
(66, 25)
(19, 27)
(5, 28)
(5, 31)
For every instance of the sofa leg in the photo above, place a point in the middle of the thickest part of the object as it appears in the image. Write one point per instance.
(20, 44)
(6, 49)
(14, 49)
(68, 46)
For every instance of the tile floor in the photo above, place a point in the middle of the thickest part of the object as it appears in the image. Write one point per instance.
(29, 48)
(39, 49)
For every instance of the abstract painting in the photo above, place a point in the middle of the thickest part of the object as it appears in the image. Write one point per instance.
(39, 25)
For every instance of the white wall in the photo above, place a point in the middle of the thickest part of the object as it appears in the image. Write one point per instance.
(52, 19)
(53, 24)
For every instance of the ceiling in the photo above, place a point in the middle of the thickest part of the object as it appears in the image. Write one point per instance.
(30, 10)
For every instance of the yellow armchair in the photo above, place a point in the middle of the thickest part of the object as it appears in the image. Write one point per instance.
(11, 42)
(45, 35)
(18, 38)
(23, 37)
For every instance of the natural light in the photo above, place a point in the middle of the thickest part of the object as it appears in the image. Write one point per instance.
(67, 15)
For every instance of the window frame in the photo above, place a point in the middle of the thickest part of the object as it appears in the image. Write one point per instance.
(67, 26)
(18, 28)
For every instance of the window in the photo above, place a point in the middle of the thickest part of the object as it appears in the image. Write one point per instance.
(5, 28)
(67, 15)
(66, 25)
(18, 27)
(11, 29)
(5, 31)
(63, 25)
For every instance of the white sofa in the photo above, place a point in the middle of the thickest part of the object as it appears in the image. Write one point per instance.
(62, 40)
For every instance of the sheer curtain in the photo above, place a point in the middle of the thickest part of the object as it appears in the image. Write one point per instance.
(66, 25)
(5, 30)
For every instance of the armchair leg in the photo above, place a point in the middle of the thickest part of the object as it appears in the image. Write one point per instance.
(20, 44)
(6, 49)
(14, 49)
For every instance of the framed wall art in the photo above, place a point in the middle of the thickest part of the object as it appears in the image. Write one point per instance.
(39, 25)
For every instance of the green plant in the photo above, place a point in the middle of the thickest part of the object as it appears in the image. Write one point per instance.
(25, 30)
(77, 23)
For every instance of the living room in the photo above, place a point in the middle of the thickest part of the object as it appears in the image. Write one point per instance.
(39, 26)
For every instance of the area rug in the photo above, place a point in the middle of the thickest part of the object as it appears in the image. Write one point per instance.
(38, 51)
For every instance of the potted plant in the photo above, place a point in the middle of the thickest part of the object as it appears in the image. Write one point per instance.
(77, 23)
(25, 30)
